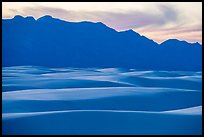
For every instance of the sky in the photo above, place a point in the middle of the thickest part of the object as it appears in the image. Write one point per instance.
(158, 21)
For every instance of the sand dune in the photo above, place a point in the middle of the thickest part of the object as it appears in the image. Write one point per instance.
(39, 100)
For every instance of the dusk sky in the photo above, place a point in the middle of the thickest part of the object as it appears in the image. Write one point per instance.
(156, 20)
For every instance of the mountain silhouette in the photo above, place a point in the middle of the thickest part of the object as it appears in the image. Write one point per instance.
(52, 42)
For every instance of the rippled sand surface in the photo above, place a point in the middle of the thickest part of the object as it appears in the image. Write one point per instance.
(39, 100)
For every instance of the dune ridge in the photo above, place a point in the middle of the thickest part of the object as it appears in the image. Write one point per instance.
(39, 100)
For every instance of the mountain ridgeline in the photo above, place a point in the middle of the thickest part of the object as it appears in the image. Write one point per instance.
(52, 42)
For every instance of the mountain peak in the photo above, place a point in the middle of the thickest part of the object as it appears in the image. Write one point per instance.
(21, 18)
(30, 18)
(18, 17)
(172, 41)
(100, 23)
(130, 31)
(197, 44)
(179, 42)
(46, 17)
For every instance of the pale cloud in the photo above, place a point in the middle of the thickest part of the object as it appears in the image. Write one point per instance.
(190, 33)
(158, 21)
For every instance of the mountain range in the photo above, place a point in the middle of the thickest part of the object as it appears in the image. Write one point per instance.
(52, 42)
